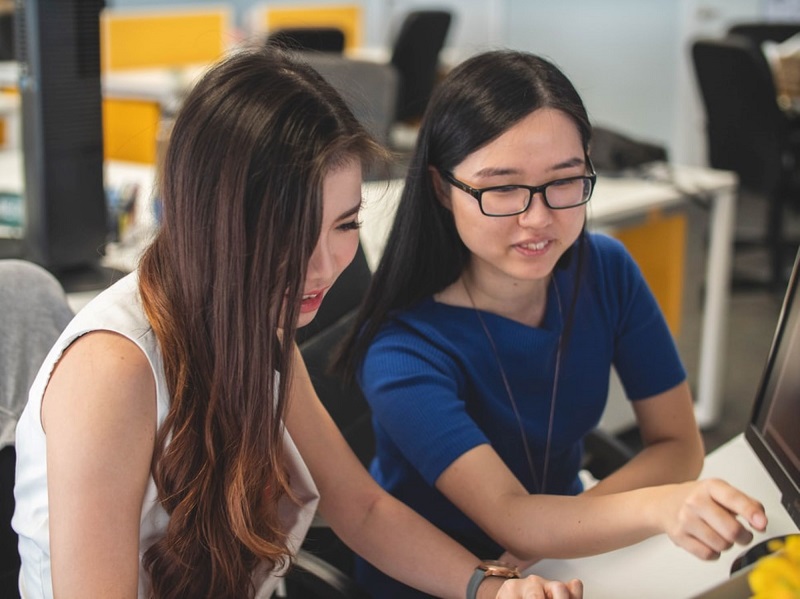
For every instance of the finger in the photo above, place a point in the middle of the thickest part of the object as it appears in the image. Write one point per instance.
(537, 591)
(724, 525)
(571, 590)
(696, 547)
(575, 587)
(557, 590)
(530, 586)
(702, 532)
(739, 503)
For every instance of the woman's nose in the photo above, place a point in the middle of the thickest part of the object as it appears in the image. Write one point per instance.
(322, 264)
(538, 212)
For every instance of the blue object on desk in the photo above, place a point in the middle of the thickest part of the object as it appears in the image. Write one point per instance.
(12, 209)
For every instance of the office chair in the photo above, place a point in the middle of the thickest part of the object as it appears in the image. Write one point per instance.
(415, 55)
(749, 134)
(368, 87)
(33, 312)
(7, 51)
(760, 32)
(317, 39)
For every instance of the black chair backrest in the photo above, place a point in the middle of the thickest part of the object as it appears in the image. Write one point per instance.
(416, 57)
(746, 129)
(344, 402)
(368, 87)
(7, 51)
(762, 32)
(9, 558)
(320, 39)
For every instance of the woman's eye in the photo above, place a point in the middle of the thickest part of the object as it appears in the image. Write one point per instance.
(562, 182)
(352, 225)
(506, 189)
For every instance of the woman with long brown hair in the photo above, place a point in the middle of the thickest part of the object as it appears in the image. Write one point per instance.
(173, 445)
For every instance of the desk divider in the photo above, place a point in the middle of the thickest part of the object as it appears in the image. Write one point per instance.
(346, 17)
(130, 129)
(659, 247)
(165, 37)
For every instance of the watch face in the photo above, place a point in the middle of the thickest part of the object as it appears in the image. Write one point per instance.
(496, 568)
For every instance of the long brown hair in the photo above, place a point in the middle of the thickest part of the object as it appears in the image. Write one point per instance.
(241, 191)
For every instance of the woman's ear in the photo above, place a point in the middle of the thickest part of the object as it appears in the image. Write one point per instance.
(438, 188)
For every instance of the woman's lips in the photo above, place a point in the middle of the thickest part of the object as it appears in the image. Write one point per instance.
(311, 301)
(532, 248)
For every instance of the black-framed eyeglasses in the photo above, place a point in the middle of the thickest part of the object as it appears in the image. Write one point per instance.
(509, 200)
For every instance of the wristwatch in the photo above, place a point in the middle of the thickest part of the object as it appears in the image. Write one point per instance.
(489, 568)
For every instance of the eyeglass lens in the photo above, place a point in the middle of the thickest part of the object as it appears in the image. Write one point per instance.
(559, 194)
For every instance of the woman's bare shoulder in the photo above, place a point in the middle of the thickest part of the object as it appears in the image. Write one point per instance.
(104, 372)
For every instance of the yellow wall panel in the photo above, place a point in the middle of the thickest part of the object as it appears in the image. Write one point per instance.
(162, 38)
(130, 129)
(346, 17)
(659, 248)
(9, 95)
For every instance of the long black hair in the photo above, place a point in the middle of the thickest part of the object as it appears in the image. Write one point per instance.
(478, 101)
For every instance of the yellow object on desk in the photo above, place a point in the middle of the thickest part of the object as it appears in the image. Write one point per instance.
(777, 576)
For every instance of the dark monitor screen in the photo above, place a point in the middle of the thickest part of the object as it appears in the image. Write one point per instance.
(774, 428)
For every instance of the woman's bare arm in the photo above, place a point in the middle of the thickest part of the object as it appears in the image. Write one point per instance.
(99, 416)
(377, 526)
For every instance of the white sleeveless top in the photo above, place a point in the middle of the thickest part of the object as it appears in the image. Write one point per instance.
(119, 309)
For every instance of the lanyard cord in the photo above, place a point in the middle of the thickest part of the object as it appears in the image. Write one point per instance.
(543, 487)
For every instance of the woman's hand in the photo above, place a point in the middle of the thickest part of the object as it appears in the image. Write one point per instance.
(705, 517)
(535, 587)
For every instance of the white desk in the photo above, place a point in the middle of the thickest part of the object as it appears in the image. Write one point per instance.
(656, 568)
(615, 201)
(116, 174)
(165, 85)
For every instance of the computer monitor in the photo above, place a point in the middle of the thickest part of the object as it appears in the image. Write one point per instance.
(774, 428)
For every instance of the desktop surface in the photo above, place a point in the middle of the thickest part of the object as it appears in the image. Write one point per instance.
(657, 569)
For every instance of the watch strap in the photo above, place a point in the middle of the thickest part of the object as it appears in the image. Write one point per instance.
(485, 570)
(474, 582)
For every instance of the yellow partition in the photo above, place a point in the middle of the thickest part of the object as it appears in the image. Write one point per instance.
(659, 248)
(5, 134)
(130, 129)
(346, 17)
(166, 37)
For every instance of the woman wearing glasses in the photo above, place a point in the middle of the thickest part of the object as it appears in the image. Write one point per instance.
(486, 340)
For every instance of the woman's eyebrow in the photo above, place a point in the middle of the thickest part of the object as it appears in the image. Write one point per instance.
(495, 171)
(576, 161)
(352, 211)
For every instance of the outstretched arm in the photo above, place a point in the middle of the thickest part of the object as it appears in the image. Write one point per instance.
(673, 448)
(377, 526)
(700, 516)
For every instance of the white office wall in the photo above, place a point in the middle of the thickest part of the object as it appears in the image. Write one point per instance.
(628, 58)
(618, 54)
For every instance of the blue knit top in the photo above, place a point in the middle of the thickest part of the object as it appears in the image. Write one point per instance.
(436, 389)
